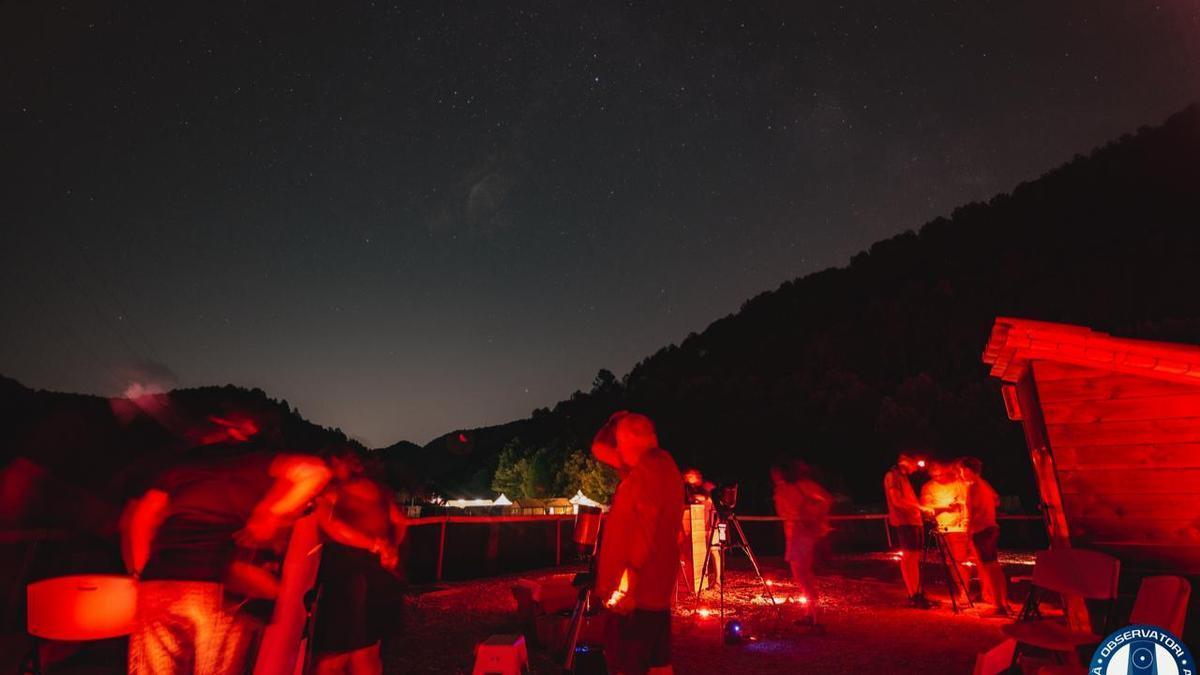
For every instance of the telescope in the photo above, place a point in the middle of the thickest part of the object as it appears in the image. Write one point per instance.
(584, 659)
(587, 528)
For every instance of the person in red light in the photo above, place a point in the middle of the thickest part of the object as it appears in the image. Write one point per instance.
(945, 496)
(982, 501)
(803, 506)
(182, 539)
(639, 558)
(696, 489)
(906, 517)
(358, 591)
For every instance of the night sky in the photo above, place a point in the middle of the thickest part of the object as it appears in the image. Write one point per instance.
(416, 217)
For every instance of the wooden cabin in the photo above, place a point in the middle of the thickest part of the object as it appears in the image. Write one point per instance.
(1113, 428)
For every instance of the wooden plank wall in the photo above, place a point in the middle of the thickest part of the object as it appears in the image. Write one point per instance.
(1127, 450)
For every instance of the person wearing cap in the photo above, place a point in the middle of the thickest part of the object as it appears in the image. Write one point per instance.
(906, 517)
(639, 557)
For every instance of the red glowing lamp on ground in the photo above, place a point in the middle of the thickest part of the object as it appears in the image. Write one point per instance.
(81, 607)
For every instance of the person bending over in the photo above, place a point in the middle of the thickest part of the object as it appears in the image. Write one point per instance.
(359, 593)
(196, 540)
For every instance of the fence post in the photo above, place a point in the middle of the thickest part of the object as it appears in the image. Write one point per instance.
(441, 548)
(557, 542)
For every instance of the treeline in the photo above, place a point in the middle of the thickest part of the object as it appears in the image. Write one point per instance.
(844, 367)
(847, 366)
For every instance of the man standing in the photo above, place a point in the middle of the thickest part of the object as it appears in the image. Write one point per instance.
(803, 506)
(945, 495)
(182, 540)
(982, 501)
(639, 555)
(905, 517)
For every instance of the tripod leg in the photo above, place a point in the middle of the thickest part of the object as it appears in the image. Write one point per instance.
(574, 627)
(948, 564)
(954, 578)
(745, 545)
(961, 576)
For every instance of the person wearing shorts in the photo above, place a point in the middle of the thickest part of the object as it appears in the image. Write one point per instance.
(190, 539)
(982, 501)
(905, 516)
(910, 537)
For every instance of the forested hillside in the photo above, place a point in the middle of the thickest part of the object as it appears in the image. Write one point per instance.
(847, 366)
(843, 367)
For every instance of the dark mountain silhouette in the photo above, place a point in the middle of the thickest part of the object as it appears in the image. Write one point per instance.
(843, 367)
(847, 366)
(70, 461)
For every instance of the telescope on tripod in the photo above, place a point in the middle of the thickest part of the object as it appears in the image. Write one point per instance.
(937, 550)
(727, 534)
(585, 659)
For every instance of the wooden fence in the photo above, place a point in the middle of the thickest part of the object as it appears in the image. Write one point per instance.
(463, 547)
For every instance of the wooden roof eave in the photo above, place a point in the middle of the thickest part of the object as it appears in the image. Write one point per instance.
(1014, 343)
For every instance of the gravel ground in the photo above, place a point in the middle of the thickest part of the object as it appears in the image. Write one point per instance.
(866, 627)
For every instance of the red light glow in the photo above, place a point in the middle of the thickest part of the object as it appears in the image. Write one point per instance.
(237, 428)
(81, 607)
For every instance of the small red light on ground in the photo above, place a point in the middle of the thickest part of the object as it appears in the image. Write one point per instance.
(803, 599)
(703, 613)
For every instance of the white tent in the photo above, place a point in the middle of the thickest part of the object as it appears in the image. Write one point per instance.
(581, 499)
(466, 503)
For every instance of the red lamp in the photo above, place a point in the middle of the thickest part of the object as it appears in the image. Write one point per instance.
(81, 607)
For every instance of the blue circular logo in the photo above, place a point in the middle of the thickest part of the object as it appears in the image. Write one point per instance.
(1142, 650)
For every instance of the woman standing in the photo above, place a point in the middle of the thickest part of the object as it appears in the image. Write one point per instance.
(803, 505)
(358, 586)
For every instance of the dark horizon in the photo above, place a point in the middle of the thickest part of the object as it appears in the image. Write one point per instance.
(408, 224)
